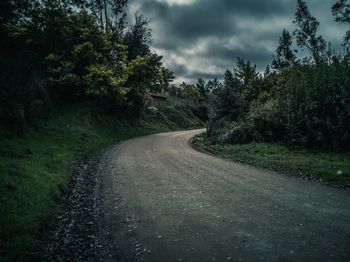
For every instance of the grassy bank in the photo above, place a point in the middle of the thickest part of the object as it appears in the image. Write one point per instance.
(329, 166)
(34, 166)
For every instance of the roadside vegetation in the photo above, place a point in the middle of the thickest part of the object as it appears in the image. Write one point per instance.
(35, 165)
(75, 77)
(68, 51)
(322, 166)
(298, 102)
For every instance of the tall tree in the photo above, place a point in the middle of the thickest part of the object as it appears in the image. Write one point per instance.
(138, 38)
(306, 32)
(284, 54)
(341, 12)
(245, 71)
(202, 88)
(16, 13)
(109, 13)
(228, 102)
(213, 84)
(229, 80)
(267, 70)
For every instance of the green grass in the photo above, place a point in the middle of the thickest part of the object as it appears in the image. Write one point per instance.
(294, 161)
(34, 166)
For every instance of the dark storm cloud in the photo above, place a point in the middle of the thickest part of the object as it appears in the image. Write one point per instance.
(255, 52)
(208, 17)
(204, 37)
(180, 69)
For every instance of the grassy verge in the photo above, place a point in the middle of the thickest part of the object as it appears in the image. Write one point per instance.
(34, 167)
(330, 167)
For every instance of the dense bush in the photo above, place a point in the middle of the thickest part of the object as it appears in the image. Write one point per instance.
(307, 105)
(302, 102)
(315, 103)
(66, 51)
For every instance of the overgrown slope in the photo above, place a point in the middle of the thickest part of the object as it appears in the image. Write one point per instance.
(324, 166)
(34, 166)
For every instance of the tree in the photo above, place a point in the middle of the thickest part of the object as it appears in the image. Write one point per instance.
(17, 11)
(71, 43)
(15, 17)
(306, 32)
(245, 71)
(284, 54)
(138, 38)
(190, 92)
(228, 103)
(250, 84)
(201, 86)
(102, 83)
(58, 51)
(21, 88)
(108, 13)
(229, 80)
(341, 12)
(166, 77)
(213, 84)
(145, 73)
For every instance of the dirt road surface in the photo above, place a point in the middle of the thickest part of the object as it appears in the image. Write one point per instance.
(165, 201)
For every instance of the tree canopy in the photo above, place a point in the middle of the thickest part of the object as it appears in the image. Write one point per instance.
(62, 51)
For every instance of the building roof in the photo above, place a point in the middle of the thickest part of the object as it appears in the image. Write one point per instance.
(158, 95)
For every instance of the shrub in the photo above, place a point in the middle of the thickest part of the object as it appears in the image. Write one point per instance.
(307, 105)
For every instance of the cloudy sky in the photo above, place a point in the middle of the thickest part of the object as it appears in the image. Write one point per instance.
(202, 38)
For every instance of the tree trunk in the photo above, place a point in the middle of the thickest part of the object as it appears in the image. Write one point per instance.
(106, 14)
(101, 19)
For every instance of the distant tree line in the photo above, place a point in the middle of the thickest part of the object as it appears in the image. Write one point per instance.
(199, 96)
(297, 101)
(67, 51)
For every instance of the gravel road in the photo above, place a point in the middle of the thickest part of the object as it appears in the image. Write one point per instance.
(164, 201)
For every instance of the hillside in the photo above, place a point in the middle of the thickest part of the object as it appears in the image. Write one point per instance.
(35, 164)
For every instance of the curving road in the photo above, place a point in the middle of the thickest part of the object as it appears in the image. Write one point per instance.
(165, 201)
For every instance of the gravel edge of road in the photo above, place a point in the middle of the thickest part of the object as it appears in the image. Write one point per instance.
(93, 225)
(73, 233)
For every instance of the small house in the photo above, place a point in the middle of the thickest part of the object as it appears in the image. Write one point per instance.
(157, 100)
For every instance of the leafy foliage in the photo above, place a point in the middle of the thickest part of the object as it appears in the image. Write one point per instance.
(341, 12)
(63, 51)
(138, 38)
(299, 103)
(306, 32)
(284, 54)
